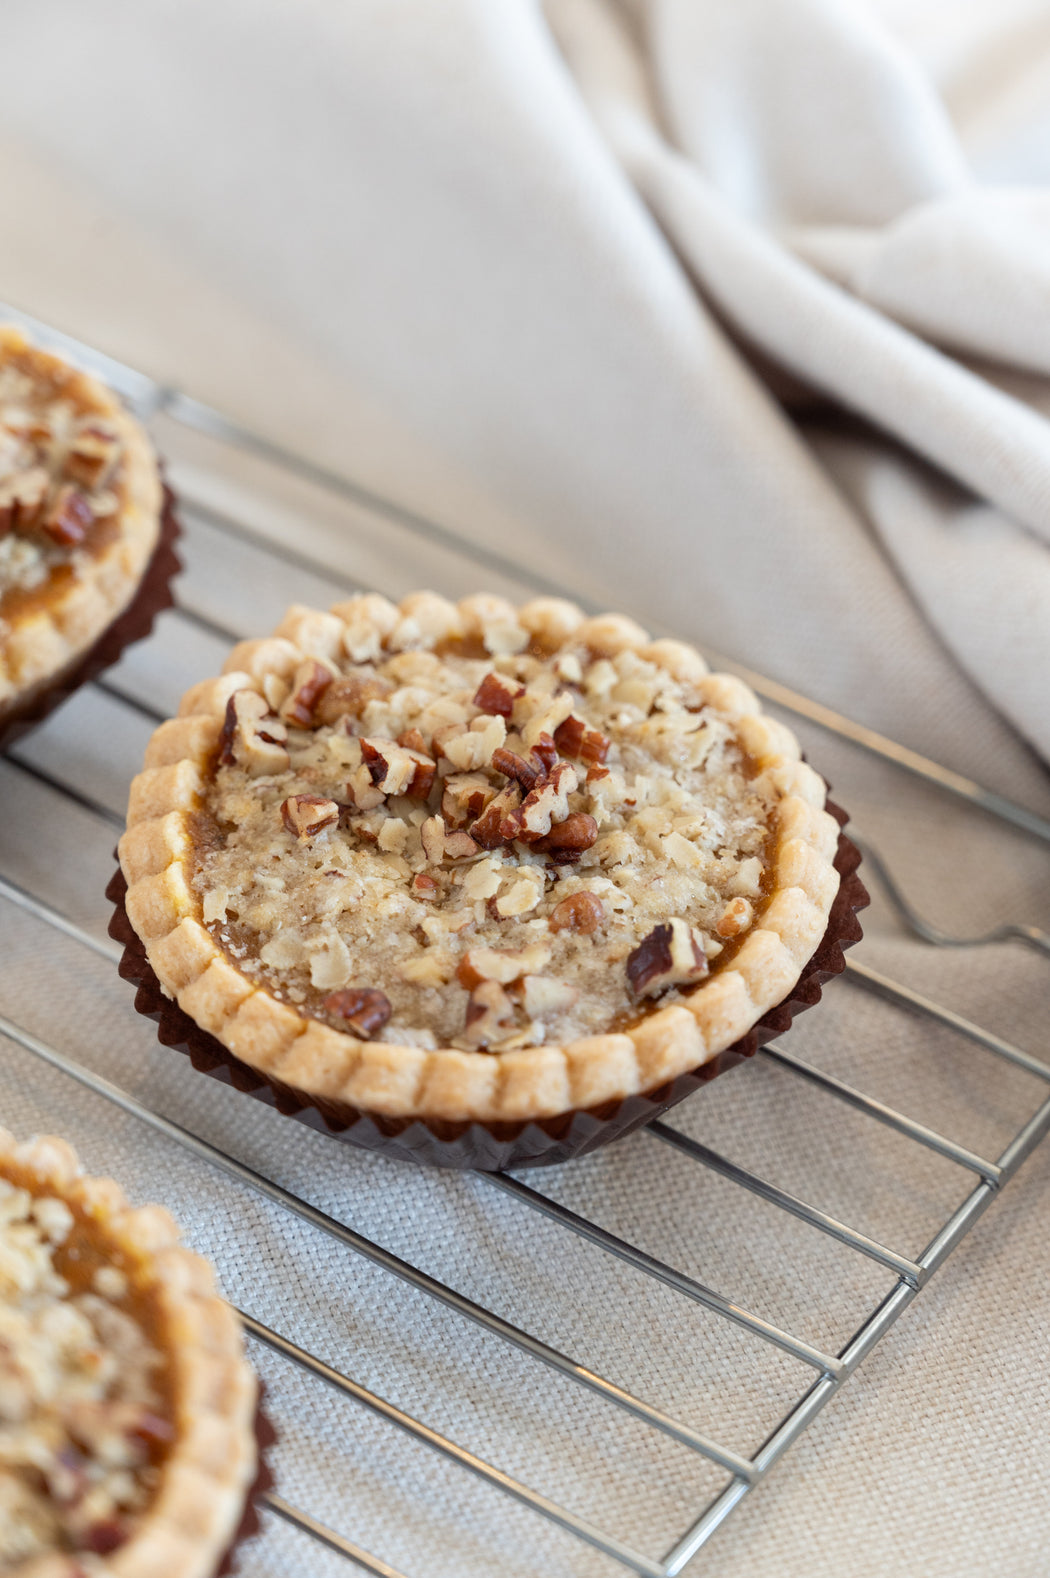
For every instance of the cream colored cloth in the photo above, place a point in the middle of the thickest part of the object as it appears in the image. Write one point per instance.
(732, 314)
(531, 250)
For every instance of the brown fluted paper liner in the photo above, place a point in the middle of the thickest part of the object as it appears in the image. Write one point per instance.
(136, 622)
(251, 1523)
(489, 1147)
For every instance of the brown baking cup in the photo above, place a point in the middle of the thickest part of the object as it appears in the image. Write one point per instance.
(251, 1522)
(490, 1147)
(153, 596)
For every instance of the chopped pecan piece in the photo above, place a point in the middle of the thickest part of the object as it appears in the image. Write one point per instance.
(432, 834)
(311, 681)
(568, 736)
(464, 797)
(422, 780)
(671, 955)
(546, 750)
(363, 1009)
(583, 912)
(595, 747)
(362, 791)
(460, 846)
(547, 804)
(497, 696)
(306, 815)
(93, 454)
(69, 518)
(21, 499)
(578, 832)
(441, 736)
(469, 749)
(488, 1010)
(574, 738)
(252, 736)
(527, 774)
(390, 766)
(487, 829)
(412, 740)
(349, 696)
(424, 886)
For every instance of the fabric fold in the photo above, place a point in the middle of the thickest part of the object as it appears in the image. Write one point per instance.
(583, 261)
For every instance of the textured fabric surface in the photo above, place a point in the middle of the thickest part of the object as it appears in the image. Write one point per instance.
(612, 290)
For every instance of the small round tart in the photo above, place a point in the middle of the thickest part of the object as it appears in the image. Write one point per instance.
(475, 862)
(80, 516)
(127, 1445)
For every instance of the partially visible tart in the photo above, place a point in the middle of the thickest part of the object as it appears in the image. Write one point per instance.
(127, 1441)
(81, 506)
(471, 862)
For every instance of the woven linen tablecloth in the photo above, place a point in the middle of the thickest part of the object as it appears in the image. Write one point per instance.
(730, 315)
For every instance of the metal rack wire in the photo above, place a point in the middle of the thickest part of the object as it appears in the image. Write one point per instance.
(137, 690)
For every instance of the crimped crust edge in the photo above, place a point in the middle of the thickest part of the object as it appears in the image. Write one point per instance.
(189, 1526)
(51, 638)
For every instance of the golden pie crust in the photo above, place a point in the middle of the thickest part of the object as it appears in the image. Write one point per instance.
(48, 625)
(206, 1472)
(299, 1047)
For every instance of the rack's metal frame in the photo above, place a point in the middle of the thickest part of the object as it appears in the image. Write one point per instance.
(830, 1370)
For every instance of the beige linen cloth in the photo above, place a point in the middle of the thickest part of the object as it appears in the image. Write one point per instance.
(730, 312)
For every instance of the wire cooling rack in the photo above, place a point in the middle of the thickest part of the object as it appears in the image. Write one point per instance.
(237, 540)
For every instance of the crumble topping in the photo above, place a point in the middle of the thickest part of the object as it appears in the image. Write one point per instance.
(436, 841)
(81, 1404)
(59, 473)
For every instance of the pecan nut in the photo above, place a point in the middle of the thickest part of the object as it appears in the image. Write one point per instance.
(252, 736)
(574, 738)
(22, 498)
(93, 454)
(547, 804)
(460, 846)
(527, 773)
(489, 1009)
(391, 768)
(432, 834)
(577, 833)
(671, 955)
(306, 815)
(363, 1009)
(497, 696)
(69, 518)
(583, 912)
(349, 696)
(487, 829)
(311, 681)
(464, 797)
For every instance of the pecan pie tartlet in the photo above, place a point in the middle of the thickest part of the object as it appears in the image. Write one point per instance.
(475, 864)
(82, 517)
(127, 1444)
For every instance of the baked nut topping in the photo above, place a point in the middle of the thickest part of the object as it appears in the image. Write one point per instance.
(672, 955)
(306, 815)
(80, 505)
(126, 1407)
(513, 835)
